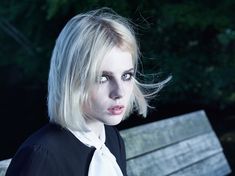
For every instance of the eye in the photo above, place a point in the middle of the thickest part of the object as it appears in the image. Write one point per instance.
(103, 79)
(127, 76)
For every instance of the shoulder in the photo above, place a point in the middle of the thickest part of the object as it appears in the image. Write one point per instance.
(49, 136)
(47, 133)
(32, 160)
(51, 148)
(37, 155)
(56, 140)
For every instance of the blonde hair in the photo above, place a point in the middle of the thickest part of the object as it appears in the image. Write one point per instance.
(78, 52)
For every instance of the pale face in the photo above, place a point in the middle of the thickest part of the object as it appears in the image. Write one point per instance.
(111, 93)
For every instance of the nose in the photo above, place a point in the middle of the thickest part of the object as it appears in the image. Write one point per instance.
(116, 90)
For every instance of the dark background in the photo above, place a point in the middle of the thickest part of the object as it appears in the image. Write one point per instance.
(191, 40)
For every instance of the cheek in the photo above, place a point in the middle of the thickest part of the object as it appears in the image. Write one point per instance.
(97, 97)
(99, 93)
(129, 89)
(92, 108)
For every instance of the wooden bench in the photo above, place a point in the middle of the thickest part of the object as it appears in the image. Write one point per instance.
(185, 145)
(3, 166)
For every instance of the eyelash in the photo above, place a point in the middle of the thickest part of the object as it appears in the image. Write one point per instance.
(108, 77)
(127, 79)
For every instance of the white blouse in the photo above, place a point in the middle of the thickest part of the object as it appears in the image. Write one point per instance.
(103, 162)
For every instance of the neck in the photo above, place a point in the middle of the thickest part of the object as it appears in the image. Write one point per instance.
(95, 126)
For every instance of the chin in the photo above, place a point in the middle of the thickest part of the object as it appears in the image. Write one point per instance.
(114, 121)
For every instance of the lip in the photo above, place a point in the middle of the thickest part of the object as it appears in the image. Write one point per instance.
(116, 110)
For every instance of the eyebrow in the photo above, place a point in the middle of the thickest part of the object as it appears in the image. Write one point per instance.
(111, 73)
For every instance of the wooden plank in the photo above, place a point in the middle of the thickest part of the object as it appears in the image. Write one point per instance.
(149, 137)
(172, 158)
(216, 165)
(183, 145)
(3, 166)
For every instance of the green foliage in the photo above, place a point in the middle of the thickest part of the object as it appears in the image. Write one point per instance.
(194, 43)
(194, 14)
(191, 40)
(54, 6)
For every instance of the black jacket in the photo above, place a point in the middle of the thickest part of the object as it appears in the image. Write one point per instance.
(55, 151)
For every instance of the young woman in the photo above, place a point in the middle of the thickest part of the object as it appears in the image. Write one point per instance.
(91, 88)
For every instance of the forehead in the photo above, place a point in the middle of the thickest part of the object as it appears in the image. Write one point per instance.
(117, 60)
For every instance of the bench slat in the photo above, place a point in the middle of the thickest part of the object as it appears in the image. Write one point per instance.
(218, 166)
(149, 137)
(183, 145)
(3, 166)
(173, 158)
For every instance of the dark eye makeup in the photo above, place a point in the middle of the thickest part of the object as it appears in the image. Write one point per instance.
(127, 76)
(106, 76)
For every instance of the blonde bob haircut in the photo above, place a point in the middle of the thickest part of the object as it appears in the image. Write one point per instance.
(75, 62)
